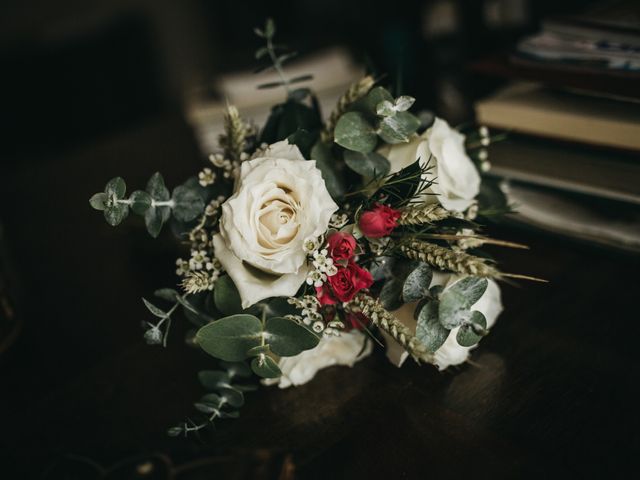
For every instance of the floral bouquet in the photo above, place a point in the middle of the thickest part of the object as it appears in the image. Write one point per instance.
(312, 240)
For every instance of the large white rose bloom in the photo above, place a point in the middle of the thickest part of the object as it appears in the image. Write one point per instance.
(280, 200)
(346, 349)
(456, 179)
(450, 353)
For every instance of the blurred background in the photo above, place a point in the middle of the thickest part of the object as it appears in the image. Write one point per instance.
(94, 89)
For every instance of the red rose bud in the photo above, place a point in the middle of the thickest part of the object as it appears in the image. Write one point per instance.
(348, 281)
(341, 246)
(378, 222)
(324, 295)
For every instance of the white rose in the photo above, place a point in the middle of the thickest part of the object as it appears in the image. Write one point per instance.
(280, 200)
(450, 353)
(347, 349)
(456, 179)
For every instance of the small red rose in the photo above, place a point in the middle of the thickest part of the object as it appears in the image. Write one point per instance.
(378, 222)
(341, 246)
(344, 285)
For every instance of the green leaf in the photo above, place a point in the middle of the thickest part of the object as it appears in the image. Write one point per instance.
(99, 201)
(327, 165)
(390, 295)
(402, 185)
(188, 203)
(230, 338)
(255, 351)
(153, 309)
(472, 331)
(385, 109)
(398, 128)
(168, 294)
(286, 338)
(175, 431)
(456, 300)
(265, 367)
(375, 97)
(416, 286)
(236, 369)
(115, 214)
(403, 103)
(156, 216)
(269, 28)
(140, 202)
(213, 379)
(261, 52)
(226, 296)
(304, 140)
(117, 187)
(354, 132)
(233, 397)
(367, 164)
(429, 330)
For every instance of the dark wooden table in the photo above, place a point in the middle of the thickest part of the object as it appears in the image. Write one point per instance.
(551, 392)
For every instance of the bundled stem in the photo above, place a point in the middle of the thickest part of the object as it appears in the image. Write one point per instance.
(235, 134)
(355, 92)
(384, 320)
(423, 213)
(447, 259)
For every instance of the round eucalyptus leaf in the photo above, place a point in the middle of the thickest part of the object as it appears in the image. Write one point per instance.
(230, 337)
(226, 296)
(140, 202)
(255, 351)
(233, 397)
(154, 219)
(375, 97)
(99, 201)
(471, 332)
(354, 132)
(385, 109)
(398, 128)
(115, 214)
(429, 330)
(416, 286)
(175, 431)
(117, 187)
(157, 189)
(265, 367)
(287, 338)
(456, 300)
(188, 203)
(236, 369)
(328, 166)
(391, 294)
(367, 164)
(213, 379)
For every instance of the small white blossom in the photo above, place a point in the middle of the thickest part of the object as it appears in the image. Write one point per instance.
(472, 211)
(206, 177)
(316, 278)
(217, 160)
(310, 244)
(338, 220)
(198, 259)
(485, 141)
(183, 267)
(484, 131)
(483, 155)
(485, 166)
(318, 326)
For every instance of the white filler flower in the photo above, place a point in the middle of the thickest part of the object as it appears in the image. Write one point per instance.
(280, 201)
(456, 180)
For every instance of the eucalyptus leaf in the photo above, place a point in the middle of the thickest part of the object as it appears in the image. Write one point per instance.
(416, 286)
(327, 165)
(261, 52)
(157, 189)
(226, 296)
(236, 369)
(233, 397)
(473, 330)
(385, 109)
(269, 28)
(115, 214)
(213, 379)
(429, 331)
(117, 187)
(456, 300)
(403, 103)
(230, 337)
(287, 338)
(398, 128)
(265, 367)
(390, 295)
(354, 132)
(140, 202)
(375, 97)
(367, 164)
(255, 351)
(188, 203)
(153, 309)
(99, 201)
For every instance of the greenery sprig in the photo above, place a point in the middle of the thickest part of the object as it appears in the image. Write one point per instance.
(156, 204)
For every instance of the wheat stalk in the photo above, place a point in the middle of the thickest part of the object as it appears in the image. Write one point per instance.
(447, 259)
(383, 319)
(423, 213)
(355, 92)
(235, 133)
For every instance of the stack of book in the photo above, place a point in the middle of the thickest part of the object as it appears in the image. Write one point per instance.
(572, 156)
